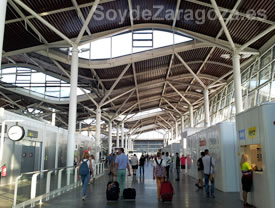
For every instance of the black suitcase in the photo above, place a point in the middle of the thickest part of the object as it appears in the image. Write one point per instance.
(129, 193)
(112, 192)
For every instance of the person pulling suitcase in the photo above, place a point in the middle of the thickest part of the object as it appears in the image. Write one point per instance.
(159, 172)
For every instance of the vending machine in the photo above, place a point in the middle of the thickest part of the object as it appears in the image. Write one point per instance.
(256, 138)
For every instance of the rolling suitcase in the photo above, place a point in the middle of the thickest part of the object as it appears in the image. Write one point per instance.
(166, 191)
(112, 192)
(129, 194)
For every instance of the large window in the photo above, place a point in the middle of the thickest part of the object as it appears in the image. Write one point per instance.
(130, 42)
(263, 94)
(36, 82)
(258, 86)
(264, 75)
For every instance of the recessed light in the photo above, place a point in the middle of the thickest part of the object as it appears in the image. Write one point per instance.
(225, 56)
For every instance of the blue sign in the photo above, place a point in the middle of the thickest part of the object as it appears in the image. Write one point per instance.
(242, 134)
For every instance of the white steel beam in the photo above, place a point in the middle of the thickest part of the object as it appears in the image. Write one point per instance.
(167, 75)
(207, 40)
(221, 78)
(190, 70)
(114, 85)
(121, 106)
(117, 135)
(206, 108)
(220, 17)
(67, 9)
(110, 139)
(131, 12)
(80, 15)
(94, 112)
(21, 14)
(112, 99)
(176, 13)
(129, 108)
(233, 12)
(136, 84)
(191, 116)
(172, 106)
(128, 59)
(165, 121)
(259, 36)
(187, 101)
(68, 75)
(3, 6)
(97, 136)
(129, 112)
(87, 21)
(46, 23)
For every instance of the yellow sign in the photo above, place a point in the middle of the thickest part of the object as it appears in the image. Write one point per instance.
(252, 132)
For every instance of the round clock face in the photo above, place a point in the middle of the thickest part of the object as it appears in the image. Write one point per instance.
(16, 133)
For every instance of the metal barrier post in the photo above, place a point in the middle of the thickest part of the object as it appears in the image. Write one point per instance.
(68, 176)
(75, 177)
(33, 187)
(15, 190)
(59, 179)
(48, 184)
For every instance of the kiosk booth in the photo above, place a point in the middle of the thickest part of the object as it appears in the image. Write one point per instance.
(256, 137)
(221, 142)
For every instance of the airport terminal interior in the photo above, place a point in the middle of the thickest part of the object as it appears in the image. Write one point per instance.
(89, 79)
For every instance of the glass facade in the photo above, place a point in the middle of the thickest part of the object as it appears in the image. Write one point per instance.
(148, 146)
(258, 86)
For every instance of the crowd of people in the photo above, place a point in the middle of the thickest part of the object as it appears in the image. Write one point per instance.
(162, 166)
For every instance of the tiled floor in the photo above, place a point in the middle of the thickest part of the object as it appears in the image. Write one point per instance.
(186, 195)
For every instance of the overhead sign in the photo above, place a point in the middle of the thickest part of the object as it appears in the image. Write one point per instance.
(32, 134)
(242, 134)
(252, 132)
(202, 143)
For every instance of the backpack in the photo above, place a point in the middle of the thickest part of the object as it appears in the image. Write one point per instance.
(159, 169)
(84, 169)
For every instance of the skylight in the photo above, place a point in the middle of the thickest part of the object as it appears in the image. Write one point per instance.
(130, 42)
(37, 82)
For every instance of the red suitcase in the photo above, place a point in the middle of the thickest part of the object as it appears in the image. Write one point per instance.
(166, 191)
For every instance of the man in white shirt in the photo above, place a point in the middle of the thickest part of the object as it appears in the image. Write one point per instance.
(208, 165)
(134, 163)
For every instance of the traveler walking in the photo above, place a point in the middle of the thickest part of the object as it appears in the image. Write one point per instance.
(134, 163)
(178, 166)
(208, 165)
(159, 172)
(121, 163)
(85, 167)
(111, 162)
(200, 171)
(167, 162)
(141, 164)
(182, 163)
(94, 169)
(247, 178)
